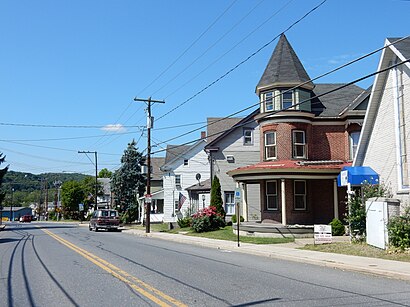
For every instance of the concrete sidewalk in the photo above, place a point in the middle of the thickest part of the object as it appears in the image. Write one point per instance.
(290, 251)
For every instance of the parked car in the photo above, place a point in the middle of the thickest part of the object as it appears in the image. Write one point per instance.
(25, 218)
(104, 219)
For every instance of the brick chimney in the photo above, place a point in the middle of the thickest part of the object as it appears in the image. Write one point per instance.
(203, 134)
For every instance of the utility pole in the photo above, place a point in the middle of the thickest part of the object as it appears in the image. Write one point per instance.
(150, 122)
(96, 173)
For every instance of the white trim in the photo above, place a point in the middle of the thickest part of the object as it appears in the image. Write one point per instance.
(283, 201)
(335, 200)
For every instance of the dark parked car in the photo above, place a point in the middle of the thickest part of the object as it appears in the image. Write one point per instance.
(104, 219)
(25, 219)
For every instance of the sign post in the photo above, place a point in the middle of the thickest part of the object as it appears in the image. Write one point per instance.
(238, 200)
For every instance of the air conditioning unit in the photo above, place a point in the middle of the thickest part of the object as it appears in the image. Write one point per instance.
(230, 159)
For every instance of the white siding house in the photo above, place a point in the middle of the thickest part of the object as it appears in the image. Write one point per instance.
(384, 144)
(238, 145)
(182, 164)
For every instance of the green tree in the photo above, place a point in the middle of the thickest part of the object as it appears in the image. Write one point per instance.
(128, 183)
(2, 173)
(104, 173)
(216, 197)
(72, 194)
(88, 185)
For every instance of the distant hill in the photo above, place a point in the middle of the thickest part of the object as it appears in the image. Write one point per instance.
(27, 182)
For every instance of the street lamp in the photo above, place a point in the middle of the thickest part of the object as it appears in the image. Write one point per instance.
(203, 201)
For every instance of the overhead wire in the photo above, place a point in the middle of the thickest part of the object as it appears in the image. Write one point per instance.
(299, 85)
(208, 49)
(228, 51)
(242, 62)
(302, 102)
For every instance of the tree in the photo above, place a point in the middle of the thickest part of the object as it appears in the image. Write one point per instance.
(88, 186)
(104, 173)
(72, 194)
(2, 173)
(216, 197)
(128, 182)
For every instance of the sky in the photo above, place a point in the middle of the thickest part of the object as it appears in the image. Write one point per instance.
(70, 69)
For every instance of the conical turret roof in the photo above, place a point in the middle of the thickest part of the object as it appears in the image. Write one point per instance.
(284, 68)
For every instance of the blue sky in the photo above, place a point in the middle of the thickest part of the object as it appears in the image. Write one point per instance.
(79, 64)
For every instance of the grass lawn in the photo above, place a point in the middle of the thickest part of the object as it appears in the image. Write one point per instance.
(359, 249)
(221, 234)
(227, 234)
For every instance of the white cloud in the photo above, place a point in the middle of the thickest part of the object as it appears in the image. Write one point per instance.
(114, 128)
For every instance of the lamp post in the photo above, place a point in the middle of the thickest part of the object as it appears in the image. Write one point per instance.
(203, 201)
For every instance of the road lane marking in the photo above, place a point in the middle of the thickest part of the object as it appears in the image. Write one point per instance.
(125, 277)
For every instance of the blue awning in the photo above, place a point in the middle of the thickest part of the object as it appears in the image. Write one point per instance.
(357, 175)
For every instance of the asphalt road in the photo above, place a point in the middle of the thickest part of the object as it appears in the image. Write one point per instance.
(67, 265)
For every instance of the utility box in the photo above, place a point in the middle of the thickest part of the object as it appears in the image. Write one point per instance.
(378, 213)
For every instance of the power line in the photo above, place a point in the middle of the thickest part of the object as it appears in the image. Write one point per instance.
(208, 49)
(299, 85)
(296, 104)
(242, 62)
(228, 51)
(63, 126)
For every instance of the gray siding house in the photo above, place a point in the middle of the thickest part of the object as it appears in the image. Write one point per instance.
(234, 143)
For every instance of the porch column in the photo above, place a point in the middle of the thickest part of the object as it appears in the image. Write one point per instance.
(335, 199)
(283, 201)
(244, 192)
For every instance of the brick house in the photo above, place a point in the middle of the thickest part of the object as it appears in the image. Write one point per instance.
(308, 132)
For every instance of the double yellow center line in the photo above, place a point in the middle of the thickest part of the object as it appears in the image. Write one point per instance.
(138, 285)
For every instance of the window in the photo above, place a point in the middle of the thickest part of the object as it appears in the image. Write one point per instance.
(176, 205)
(353, 142)
(229, 203)
(247, 136)
(186, 162)
(287, 99)
(270, 145)
(178, 180)
(269, 101)
(300, 195)
(272, 195)
(299, 144)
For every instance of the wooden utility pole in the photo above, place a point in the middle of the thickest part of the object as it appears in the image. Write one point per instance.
(96, 173)
(150, 122)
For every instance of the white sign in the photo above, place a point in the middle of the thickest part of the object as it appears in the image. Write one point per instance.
(343, 178)
(323, 234)
(238, 195)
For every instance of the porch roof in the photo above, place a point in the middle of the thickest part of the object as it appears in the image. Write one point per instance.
(324, 167)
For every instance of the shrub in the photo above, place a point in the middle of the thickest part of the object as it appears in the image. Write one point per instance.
(399, 231)
(338, 229)
(184, 222)
(356, 216)
(207, 219)
(233, 219)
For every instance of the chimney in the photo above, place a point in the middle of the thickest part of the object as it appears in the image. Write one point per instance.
(203, 134)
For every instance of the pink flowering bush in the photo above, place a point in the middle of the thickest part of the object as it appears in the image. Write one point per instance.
(207, 219)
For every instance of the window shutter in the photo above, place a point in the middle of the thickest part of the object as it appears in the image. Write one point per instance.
(277, 98)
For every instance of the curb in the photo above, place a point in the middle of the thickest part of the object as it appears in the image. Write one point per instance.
(373, 266)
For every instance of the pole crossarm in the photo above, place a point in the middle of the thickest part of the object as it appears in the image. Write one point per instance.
(148, 101)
